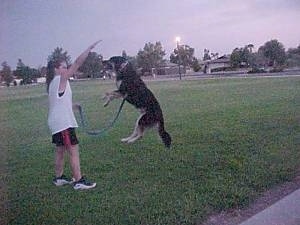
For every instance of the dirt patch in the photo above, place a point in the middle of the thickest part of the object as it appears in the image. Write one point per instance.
(237, 216)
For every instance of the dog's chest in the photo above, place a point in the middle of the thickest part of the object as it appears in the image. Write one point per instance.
(118, 83)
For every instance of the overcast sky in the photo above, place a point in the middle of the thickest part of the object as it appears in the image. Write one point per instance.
(32, 29)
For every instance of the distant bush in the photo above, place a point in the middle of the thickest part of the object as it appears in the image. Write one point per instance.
(257, 70)
(276, 70)
(224, 69)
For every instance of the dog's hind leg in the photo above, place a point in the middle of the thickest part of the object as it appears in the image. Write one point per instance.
(139, 132)
(145, 121)
(133, 135)
(136, 132)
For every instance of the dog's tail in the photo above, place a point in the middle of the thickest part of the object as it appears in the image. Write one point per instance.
(165, 136)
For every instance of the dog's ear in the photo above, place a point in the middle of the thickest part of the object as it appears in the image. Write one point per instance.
(118, 62)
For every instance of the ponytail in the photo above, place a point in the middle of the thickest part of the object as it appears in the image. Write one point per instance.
(52, 64)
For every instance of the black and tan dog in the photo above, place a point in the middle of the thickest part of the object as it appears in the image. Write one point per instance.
(132, 88)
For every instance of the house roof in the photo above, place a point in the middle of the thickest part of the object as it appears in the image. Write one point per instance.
(222, 59)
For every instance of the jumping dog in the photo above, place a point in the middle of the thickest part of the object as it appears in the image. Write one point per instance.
(133, 89)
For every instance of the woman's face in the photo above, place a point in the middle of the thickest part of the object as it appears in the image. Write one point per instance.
(62, 68)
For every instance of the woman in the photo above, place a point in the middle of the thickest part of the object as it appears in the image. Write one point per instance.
(62, 122)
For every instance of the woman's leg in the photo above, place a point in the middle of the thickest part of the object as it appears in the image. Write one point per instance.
(73, 151)
(59, 160)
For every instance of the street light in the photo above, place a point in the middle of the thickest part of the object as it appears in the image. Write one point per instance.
(177, 39)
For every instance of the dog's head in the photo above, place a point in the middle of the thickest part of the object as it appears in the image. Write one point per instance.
(115, 63)
(119, 65)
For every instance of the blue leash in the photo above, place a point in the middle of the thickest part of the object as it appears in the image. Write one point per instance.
(103, 130)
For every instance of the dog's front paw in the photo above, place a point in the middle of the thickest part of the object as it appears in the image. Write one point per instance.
(106, 97)
(124, 140)
(106, 102)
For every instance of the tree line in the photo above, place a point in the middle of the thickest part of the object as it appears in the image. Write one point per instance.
(271, 54)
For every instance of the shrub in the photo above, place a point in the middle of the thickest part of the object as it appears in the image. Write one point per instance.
(276, 70)
(257, 70)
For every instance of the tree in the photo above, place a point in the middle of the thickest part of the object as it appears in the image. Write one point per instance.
(195, 65)
(26, 73)
(246, 56)
(293, 57)
(92, 66)
(58, 54)
(236, 58)
(6, 74)
(124, 54)
(214, 55)
(258, 60)
(131, 59)
(206, 55)
(241, 57)
(250, 47)
(294, 51)
(151, 56)
(42, 71)
(274, 51)
(19, 69)
(183, 55)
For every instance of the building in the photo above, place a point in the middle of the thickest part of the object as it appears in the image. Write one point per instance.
(168, 68)
(220, 63)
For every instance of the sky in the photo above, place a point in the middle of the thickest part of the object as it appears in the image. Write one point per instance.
(31, 29)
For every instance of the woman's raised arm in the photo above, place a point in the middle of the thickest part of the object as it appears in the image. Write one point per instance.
(79, 61)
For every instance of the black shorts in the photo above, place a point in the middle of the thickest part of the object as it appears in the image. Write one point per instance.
(65, 138)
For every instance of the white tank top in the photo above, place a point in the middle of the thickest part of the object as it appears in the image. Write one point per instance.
(60, 115)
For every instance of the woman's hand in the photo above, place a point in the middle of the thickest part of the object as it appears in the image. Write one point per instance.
(93, 45)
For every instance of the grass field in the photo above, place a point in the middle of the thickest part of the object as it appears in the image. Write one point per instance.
(232, 139)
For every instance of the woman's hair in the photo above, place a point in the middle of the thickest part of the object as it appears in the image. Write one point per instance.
(52, 65)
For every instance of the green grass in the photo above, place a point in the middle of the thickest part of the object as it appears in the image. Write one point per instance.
(232, 139)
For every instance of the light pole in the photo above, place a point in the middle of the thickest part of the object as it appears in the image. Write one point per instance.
(177, 39)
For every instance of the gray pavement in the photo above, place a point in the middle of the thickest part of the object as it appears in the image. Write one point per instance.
(284, 212)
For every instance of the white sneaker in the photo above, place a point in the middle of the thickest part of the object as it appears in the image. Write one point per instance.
(83, 184)
(63, 180)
